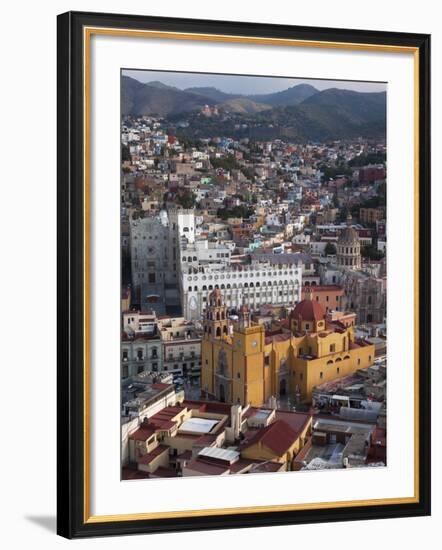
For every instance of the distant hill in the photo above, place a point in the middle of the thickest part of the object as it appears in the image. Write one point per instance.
(161, 85)
(145, 99)
(346, 112)
(243, 105)
(355, 107)
(212, 93)
(130, 88)
(139, 98)
(292, 96)
(301, 112)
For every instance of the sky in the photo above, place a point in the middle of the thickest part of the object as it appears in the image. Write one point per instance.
(247, 84)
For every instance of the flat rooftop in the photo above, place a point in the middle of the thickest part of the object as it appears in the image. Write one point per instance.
(227, 455)
(198, 425)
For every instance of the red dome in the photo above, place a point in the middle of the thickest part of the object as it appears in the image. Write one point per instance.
(216, 293)
(308, 310)
(244, 308)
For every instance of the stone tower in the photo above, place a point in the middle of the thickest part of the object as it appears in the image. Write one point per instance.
(216, 323)
(348, 247)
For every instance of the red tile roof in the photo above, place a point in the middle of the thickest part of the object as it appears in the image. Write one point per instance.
(278, 437)
(142, 434)
(163, 418)
(206, 440)
(208, 406)
(308, 310)
(277, 338)
(161, 386)
(164, 472)
(147, 458)
(296, 420)
(129, 473)
(166, 425)
(206, 468)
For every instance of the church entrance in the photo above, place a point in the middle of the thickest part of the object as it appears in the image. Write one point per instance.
(222, 393)
(282, 387)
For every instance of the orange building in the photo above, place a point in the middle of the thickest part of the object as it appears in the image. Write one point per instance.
(241, 364)
(330, 297)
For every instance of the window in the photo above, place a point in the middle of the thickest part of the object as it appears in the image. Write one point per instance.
(140, 369)
(239, 375)
(321, 374)
(332, 348)
(359, 361)
(124, 355)
(337, 370)
(267, 360)
(151, 278)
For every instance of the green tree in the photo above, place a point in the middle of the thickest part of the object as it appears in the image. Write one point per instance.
(330, 249)
(125, 153)
(187, 200)
(369, 251)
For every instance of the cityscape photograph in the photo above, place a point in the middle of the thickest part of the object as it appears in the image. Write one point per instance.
(253, 274)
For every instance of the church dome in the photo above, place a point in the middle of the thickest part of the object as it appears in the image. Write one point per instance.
(216, 293)
(244, 308)
(349, 236)
(348, 247)
(308, 310)
(215, 297)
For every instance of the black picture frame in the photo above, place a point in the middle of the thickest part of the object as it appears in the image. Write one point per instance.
(72, 522)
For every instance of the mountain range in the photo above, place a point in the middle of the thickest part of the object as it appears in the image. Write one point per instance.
(302, 110)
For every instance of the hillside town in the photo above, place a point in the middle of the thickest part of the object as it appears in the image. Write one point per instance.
(253, 302)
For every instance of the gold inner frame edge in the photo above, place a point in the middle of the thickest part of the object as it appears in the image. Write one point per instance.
(87, 34)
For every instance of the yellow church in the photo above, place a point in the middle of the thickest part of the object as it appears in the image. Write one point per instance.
(242, 364)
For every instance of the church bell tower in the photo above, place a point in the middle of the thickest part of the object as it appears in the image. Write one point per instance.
(216, 323)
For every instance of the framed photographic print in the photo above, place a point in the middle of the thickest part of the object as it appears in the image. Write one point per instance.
(232, 200)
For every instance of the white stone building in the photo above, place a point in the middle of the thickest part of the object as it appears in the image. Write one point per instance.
(155, 243)
(263, 282)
